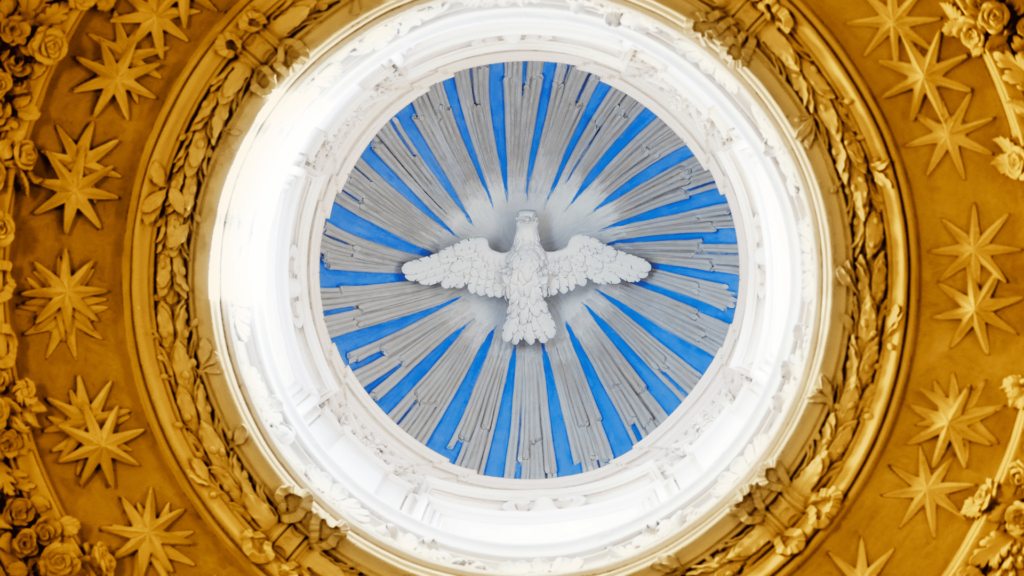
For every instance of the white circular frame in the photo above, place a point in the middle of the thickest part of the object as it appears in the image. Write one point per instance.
(322, 432)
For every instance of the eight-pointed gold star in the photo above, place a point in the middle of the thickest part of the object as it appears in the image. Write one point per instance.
(74, 188)
(892, 21)
(950, 135)
(74, 413)
(925, 74)
(121, 43)
(63, 303)
(955, 421)
(977, 310)
(927, 490)
(863, 568)
(99, 446)
(92, 155)
(154, 17)
(148, 537)
(975, 249)
(115, 78)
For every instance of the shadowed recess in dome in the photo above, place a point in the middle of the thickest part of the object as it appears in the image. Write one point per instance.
(459, 162)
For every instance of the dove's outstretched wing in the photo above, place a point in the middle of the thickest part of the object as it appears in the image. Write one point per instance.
(470, 263)
(587, 258)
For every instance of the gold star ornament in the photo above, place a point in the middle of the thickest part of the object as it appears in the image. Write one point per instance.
(115, 78)
(949, 135)
(894, 22)
(63, 303)
(148, 537)
(78, 173)
(977, 309)
(99, 447)
(155, 18)
(974, 249)
(927, 490)
(955, 421)
(924, 76)
(73, 413)
(863, 567)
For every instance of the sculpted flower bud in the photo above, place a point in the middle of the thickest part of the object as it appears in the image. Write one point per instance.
(103, 560)
(252, 21)
(981, 501)
(47, 529)
(59, 559)
(1015, 472)
(48, 45)
(24, 544)
(6, 83)
(14, 30)
(6, 230)
(973, 39)
(19, 511)
(25, 155)
(993, 16)
(1014, 388)
(11, 443)
(1014, 518)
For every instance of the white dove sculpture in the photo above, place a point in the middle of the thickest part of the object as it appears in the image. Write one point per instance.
(526, 274)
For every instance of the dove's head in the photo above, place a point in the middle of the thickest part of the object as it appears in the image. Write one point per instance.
(526, 217)
(526, 228)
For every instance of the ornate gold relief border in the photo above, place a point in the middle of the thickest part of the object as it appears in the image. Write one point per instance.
(277, 527)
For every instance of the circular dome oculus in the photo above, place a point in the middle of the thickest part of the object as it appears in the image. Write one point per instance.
(528, 270)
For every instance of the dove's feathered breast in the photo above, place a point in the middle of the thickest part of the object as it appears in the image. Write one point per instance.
(526, 274)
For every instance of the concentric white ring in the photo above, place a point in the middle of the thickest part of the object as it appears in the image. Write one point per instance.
(325, 432)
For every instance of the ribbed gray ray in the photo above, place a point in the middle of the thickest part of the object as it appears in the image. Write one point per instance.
(687, 322)
(474, 97)
(663, 361)
(419, 412)
(571, 90)
(670, 186)
(626, 389)
(649, 146)
(368, 196)
(394, 147)
(436, 121)
(343, 251)
(408, 346)
(706, 219)
(587, 440)
(376, 304)
(713, 293)
(687, 254)
(476, 428)
(611, 119)
(530, 443)
(521, 101)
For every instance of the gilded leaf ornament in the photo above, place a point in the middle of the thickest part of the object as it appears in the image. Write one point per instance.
(148, 537)
(925, 74)
(894, 22)
(863, 567)
(955, 420)
(155, 18)
(974, 249)
(63, 303)
(78, 173)
(115, 78)
(927, 490)
(73, 413)
(949, 135)
(977, 309)
(99, 446)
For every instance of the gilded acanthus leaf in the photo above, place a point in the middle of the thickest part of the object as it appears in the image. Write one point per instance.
(155, 18)
(63, 303)
(894, 22)
(956, 420)
(73, 413)
(927, 490)
(949, 135)
(975, 249)
(78, 173)
(148, 537)
(99, 446)
(116, 78)
(863, 567)
(924, 76)
(977, 309)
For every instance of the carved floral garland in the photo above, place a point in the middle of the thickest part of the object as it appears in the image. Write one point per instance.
(33, 538)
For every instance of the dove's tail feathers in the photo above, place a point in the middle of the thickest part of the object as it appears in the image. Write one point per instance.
(527, 318)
